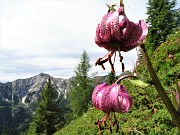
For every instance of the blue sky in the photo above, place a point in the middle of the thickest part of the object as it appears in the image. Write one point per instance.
(50, 35)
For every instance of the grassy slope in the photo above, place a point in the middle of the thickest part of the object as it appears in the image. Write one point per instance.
(134, 122)
(85, 125)
(82, 125)
(148, 114)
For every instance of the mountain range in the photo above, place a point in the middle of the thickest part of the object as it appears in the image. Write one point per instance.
(26, 91)
(19, 100)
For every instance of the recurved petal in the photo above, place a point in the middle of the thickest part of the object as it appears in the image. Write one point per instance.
(115, 98)
(125, 102)
(115, 28)
(106, 101)
(125, 28)
(103, 31)
(98, 40)
(138, 33)
(97, 95)
(98, 37)
(144, 27)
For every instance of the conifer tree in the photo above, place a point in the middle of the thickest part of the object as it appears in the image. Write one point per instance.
(49, 117)
(81, 87)
(111, 78)
(162, 19)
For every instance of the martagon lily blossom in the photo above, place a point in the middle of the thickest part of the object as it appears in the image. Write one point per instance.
(112, 98)
(116, 33)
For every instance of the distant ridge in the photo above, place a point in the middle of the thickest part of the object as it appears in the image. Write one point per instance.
(26, 91)
(19, 100)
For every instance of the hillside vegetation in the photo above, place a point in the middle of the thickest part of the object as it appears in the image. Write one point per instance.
(148, 114)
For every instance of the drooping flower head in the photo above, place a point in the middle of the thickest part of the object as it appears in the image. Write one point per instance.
(112, 98)
(116, 31)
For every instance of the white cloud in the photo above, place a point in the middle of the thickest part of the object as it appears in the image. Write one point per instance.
(50, 35)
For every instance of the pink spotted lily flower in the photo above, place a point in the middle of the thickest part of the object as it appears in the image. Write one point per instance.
(116, 32)
(112, 98)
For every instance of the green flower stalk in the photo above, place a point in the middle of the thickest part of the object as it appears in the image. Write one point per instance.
(159, 88)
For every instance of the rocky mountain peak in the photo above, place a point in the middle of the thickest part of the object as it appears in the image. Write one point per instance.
(26, 91)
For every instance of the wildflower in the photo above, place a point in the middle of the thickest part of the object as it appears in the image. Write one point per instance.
(116, 33)
(112, 98)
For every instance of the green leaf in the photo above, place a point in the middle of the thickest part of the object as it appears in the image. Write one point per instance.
(174, 101)
(139, 83)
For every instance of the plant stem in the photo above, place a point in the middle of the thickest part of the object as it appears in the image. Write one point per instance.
(124, 77)
(158, 86)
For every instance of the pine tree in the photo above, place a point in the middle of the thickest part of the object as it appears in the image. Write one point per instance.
(111, 78)
(177, 19)
(81, 87)
(49, 116)
(162, 19)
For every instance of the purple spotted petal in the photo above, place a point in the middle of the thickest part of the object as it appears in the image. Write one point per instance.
(103, 30)
(134, 34)
(108, 29)
(115, 27)
(107, 99)
(126, 28)
(97, 95)
(125, 101)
